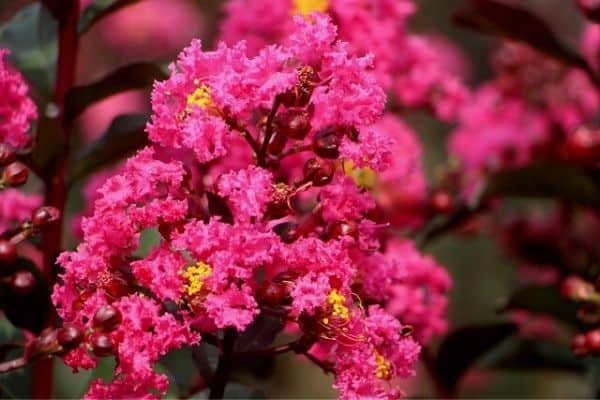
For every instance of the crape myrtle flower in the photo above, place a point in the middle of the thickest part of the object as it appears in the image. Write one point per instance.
(411, 67)
(232, 220)
(17, 110)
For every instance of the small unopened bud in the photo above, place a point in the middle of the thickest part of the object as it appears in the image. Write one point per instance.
(287, 231)
(583, 146)
(271, 293)
(578, 346)
(7, 154)
(318, 171)
(22, 283)
(327, 141)
(69, 336)
(592, 341)
(576, 289)
(15, 174)
(293, 123)
(441, 202)
(277, 144)
(44, 216)
(107, 318)
(342, 228)
(591, 9)
(102, 346)
(8, 253)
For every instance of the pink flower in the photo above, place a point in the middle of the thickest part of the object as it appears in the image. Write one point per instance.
(17, 110)
(235, 219)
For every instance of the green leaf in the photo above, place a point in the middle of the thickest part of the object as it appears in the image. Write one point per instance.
(495, 18)
(527, 354)
(462, 348)
(543, 300)
(31, 36)
(124, 136)
(99, 10)
(133, 76)
(547, 179)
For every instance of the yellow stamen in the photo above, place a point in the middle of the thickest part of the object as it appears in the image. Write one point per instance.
(200, 97)
(339, 309)
(363, 177)
(305, 7)
(384, 368)
(196, 274)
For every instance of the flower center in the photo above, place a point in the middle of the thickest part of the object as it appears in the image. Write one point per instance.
(196, 274)
(363, 177)
(384, 368)
(338, 309)
(305, 7)
(200, 97)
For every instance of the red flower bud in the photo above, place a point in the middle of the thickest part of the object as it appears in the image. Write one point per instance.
(583, 146)
(102, 346)
(107, 318)
(7, 154)
(342, 228)
(15, 174)
(287, 231)
(271, 293)
(8, 252)
(592, 341)
(441, 202)
(69, 336)
(318, 171)
(327, 141)
(44, 216)
(575, 288)
(293, 123)
(22, 283)
(578, 346)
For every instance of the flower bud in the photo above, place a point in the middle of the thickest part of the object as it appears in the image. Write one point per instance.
(318, 171)
(277, 144)
(583, 145)
(44, 216)
(102, 346)
(287, 232)
(327, 141)
(271, 293)
(342, 228)
(576, 289)
(22, 283)
(592, 341)
(441, 202)
(69, 336)
(107, 318)
(43, 345)
(578, 345)
(8, 253)
(591, 9)
(293, 123)
(15, 174)
(7, 154)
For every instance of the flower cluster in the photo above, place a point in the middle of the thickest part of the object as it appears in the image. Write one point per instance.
(532, 107)
(250, 188)
(414, 68)
(17, 110)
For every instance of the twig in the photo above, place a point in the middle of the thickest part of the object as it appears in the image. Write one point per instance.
(224, 366)
(262, 154)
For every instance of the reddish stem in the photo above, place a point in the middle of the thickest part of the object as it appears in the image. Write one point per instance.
(55, 195)
(11, 365)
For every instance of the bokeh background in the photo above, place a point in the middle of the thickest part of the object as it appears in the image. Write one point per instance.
(483, 276)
